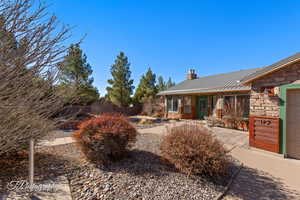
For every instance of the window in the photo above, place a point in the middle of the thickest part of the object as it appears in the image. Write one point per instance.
(169, 103)
(172, 104)
(243, 105)
(187, 103)
(238, 105)
(229, 105)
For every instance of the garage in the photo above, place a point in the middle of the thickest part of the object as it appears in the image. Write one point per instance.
(293, 123)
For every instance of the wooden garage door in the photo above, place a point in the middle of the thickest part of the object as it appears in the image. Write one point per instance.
(293, 123)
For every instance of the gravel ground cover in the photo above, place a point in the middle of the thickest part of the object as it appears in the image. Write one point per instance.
(140, 176)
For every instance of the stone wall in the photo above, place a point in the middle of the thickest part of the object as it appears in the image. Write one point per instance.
(263, 105)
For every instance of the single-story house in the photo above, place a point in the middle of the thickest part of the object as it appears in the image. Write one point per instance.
(266, 99)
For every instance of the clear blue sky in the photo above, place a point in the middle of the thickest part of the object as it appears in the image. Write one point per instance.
(211, 36)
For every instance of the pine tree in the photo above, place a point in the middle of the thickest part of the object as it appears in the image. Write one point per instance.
(121, 87)
(75, 77)
(147, 87)
(161, 86)
(170, 83)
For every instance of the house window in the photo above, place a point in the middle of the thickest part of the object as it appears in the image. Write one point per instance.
(238, 105)
(172, 102)
(229, 105)
(187, 104)
(243, 105)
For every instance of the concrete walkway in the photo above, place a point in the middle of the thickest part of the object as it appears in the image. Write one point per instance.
(60, 185)
(61, 190)
(231, 138)
(57, 141)
(57, 189)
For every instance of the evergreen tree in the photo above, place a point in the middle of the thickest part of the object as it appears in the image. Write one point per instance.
(170, 83)
(161, 86)
(121, 87)
(75, 77)
(146, 88)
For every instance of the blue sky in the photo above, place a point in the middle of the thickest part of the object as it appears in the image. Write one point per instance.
(173, 36)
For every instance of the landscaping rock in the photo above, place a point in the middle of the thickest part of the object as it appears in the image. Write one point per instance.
(141, 176)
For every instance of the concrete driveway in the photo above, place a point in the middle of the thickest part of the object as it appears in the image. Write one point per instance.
(265, 175)
(268, 174)
(232, 138)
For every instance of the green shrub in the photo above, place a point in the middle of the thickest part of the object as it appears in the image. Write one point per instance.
(193, 150)
(106, 138)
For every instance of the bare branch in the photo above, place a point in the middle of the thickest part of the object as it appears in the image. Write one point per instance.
(31, 46)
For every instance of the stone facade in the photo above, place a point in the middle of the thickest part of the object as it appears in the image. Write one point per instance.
(262, 104)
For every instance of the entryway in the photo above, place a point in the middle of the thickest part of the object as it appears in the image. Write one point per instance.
(202, 107)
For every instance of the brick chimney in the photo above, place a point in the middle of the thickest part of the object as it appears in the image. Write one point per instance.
(191, 74)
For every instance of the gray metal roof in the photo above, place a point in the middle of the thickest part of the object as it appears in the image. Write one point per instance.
(216, 83)
(277, 65)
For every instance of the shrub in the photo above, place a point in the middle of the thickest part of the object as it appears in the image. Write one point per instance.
(193, 150)
(105, 138)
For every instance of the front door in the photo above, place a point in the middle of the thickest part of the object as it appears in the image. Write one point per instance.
(202, 107)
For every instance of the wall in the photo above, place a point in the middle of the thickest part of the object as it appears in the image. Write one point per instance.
(216, 112)
(180, 114)
(264, 105)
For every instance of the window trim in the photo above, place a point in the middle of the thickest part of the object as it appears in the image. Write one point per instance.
(172, 104)
(235, 99)
(184, 104)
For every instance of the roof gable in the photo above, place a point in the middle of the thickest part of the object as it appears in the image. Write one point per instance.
(269, 69)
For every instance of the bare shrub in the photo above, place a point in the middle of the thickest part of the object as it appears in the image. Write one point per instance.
(106, 138)
(30, 48)
(193, 150)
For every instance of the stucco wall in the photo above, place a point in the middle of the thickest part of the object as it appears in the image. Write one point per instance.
(264, 105)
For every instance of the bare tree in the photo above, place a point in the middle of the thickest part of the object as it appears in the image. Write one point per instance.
(31, 45)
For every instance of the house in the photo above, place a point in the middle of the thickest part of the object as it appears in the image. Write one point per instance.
(267, 97)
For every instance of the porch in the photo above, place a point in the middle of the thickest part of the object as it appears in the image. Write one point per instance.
(229, 110)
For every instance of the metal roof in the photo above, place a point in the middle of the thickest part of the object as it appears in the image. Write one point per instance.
(209, 84)
(270, 68)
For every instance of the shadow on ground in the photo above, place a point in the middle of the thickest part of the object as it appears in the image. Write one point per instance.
(250, 184)
(140, 162)
(254, 184)
(48, 166)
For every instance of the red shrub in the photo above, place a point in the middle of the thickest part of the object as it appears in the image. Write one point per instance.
(193, 150)
(105, 138)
